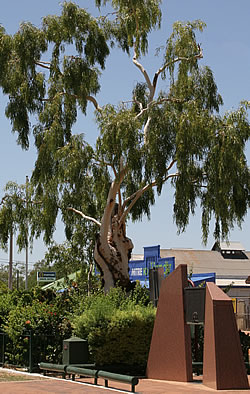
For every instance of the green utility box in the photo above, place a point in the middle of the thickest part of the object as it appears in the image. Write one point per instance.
(75, 351)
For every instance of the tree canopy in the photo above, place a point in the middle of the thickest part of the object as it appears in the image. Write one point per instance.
(176, 134)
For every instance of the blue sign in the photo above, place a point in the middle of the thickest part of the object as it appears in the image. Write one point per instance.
(139, 269)
(202, 279)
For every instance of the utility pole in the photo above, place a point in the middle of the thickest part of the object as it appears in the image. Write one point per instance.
(10, 277)
(17, 279)
(27, 237)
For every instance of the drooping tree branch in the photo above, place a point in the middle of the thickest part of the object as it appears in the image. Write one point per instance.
(43, 64)
(152, 85)
(89, 98)
(146, 77)
(134, 194)
(21, 199)
(158, 102)
(199, 55)
(84, 216)
(105, 163)
(135, 197)
(151, 92)
(94, 101)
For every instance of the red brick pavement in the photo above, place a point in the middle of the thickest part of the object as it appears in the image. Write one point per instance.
(62, 386)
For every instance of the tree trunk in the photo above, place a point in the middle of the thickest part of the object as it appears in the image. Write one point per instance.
(112, 254)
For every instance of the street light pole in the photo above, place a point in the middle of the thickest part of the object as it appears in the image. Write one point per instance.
(27, 237)
(17, 279)
(10, 276)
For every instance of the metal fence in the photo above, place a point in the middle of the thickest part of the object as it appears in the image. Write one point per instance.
(30, 350)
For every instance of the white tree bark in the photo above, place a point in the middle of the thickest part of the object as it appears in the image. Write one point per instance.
(112, 254)
(113, 248)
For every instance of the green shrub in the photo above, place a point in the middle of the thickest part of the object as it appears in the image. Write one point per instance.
(47, 317)
(6, 304)
(48, 327)
(127, 338)
(117, 329)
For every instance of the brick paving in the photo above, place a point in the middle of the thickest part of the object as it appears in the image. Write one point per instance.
(66, 386)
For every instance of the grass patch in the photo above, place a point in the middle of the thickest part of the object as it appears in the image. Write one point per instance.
(11, 377)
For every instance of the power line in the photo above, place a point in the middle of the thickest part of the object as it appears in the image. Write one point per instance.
(17, 265)
(6, 261)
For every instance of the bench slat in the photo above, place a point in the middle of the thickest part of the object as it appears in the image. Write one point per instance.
(117, 377)
(81, 371)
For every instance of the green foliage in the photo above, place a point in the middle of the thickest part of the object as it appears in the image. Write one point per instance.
(66, 76)
(63, 258)
(173, 134)
(137, 18)
(128, 334)
(47, 318)
(132, 21)
(140, 295)
(182, 44)
(15, 214)
(68, 258)
(7, 302)
(37, 316)
(118, 329)
(99, 307)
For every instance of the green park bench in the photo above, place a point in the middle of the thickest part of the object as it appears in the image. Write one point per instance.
(61, 368)
(75, 370)
(86, 372)
(49, 367)
(132, 380)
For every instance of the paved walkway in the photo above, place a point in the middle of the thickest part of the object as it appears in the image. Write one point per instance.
(61, 386)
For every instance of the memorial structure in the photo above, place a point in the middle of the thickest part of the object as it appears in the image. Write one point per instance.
(170, 351)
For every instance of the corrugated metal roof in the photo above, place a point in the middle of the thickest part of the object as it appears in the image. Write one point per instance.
(200, 261)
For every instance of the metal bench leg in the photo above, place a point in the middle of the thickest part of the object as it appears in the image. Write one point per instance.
(95, 381)
(106, 383)
(73, 377)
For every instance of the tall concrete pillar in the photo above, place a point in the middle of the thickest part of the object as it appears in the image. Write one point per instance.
(170, 351)
(223, 364)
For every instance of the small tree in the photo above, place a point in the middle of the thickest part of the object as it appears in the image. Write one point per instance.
(68, 258)
(15, 214)
(174, 135)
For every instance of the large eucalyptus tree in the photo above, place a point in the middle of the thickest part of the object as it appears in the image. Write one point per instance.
(51, 74)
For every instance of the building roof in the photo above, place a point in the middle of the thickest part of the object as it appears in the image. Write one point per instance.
(232, 245)
(200, 261)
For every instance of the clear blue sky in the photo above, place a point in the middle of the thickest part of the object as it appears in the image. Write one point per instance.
(226, 49)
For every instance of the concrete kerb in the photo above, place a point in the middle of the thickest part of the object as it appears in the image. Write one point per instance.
(145, 386)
